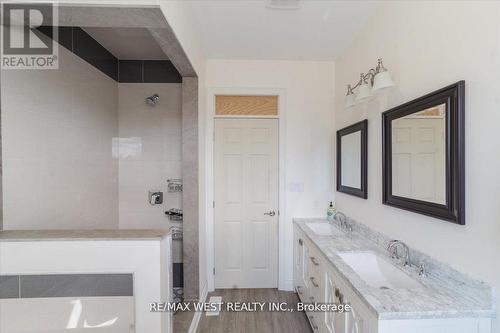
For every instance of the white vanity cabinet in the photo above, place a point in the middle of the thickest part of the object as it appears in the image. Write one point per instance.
(316, 280)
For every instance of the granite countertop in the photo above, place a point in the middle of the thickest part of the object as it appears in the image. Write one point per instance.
(445, 292)
(78, 235)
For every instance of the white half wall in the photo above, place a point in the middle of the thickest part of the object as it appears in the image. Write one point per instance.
(426, 46)
(307, 89)
(147, 260)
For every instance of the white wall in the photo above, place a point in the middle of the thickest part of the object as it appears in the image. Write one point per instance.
(308, 114)
(57, 130)
(149, 152)
(426, 46)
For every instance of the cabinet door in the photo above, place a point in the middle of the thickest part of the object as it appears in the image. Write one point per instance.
(333, 321)
(357, 320)
(297, 256)
(305, 266)
(354, 322)
(300, 267)
(298, 259)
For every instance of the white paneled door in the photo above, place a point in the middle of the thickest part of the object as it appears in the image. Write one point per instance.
(246, 203)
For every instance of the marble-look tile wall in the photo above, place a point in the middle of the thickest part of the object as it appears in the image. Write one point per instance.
(57, 130)
(148, 148)
(149, 151)
(1, 166)
(190, 193)
(61, 130)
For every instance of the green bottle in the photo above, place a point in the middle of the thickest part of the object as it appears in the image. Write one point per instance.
(330, 212)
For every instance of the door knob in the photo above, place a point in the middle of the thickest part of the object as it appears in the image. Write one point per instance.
(270, 213)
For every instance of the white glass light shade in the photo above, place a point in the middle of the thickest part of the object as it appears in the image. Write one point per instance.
(382, 81)
(350, 100)
(364, 92)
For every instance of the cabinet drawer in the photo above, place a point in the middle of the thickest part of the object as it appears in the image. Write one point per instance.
(316, 281)
(317, 269)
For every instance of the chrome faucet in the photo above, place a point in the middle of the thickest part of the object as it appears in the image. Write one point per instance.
(421, 270)
(393, 251)
(344, 225)
(341, 218)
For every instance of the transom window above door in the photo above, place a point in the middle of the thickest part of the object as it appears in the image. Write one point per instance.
(241, 105)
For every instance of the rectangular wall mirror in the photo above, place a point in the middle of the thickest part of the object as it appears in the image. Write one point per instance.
(423, 155)
(352, 159)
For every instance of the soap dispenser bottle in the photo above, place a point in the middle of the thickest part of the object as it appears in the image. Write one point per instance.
(330, 212)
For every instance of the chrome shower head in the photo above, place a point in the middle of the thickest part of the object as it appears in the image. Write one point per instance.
(151, 100)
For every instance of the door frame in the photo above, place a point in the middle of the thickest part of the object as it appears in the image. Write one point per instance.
(284, 283)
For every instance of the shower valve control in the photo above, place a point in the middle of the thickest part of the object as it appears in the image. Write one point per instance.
(155, 197)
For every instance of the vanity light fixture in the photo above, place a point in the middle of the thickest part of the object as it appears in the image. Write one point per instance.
(382, 78)
(350, 98)
(374, 81)
(365, 88)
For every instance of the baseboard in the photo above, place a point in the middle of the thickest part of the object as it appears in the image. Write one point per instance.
(286, 285)
(197, 315)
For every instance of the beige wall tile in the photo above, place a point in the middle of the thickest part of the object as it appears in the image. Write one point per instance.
(58, 127)
(158, 130)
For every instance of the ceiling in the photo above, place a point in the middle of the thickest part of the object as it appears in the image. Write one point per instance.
(246, 29)
(128, 43)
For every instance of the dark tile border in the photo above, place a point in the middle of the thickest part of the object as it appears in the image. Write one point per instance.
(76, 40)
(94, 53)
(130, 71)
(160, 71)
(66, 285)
(148, 71)
(9, 286)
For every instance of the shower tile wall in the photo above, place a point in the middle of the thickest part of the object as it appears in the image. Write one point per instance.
(149, 152)
(57, 130)
(81, 150)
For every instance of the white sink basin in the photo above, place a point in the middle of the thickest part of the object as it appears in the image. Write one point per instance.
(323, 229)
(378, 272)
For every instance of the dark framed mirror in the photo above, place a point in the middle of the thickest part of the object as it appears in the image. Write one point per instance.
(423, 148)
(352, 159)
